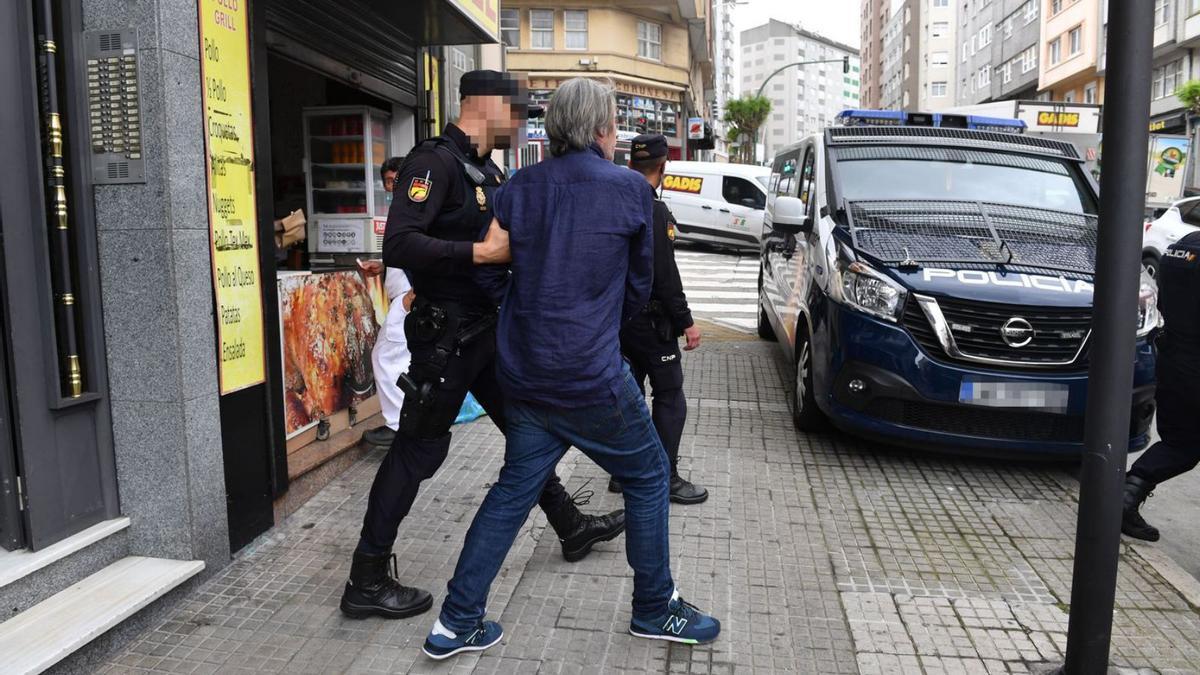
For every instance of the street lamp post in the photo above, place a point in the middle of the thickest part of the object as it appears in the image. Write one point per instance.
(845, 61)
(1110, 375)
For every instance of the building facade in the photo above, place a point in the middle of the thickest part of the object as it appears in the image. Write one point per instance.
(656, 53)
(902, 58)
(153, 415)
(936, 65)
(804, 98)
(1071, 37)
(724, 72)
(872, 24)
(998, 50)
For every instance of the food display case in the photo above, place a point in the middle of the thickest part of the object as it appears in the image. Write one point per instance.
(343, 148)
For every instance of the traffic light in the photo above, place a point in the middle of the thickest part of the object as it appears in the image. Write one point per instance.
(845, 64)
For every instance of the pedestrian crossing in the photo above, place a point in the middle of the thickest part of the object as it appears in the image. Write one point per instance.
(721, 287)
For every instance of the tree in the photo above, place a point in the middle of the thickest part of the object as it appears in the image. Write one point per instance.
(744, 116)
(1188, 94)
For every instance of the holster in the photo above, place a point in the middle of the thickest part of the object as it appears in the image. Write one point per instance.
(660, 321)
(446, 330)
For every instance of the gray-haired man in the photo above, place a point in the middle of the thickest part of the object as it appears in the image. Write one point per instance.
(582, 260)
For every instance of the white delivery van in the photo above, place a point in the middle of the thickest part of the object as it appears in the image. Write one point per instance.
(717, 203)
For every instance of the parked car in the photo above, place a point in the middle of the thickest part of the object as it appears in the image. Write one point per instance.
(932, 287)
(1171, 225)
(717, 203)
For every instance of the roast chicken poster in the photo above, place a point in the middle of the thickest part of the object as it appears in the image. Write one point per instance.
(330, 322)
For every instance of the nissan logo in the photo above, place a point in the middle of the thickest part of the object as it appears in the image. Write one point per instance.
(1017, 332)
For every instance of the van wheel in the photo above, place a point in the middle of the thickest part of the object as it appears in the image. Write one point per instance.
(806, 416)
(764, 324)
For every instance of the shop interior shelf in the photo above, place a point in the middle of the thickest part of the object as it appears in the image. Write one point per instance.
(336, 138)
(325, 165)
(345, 190)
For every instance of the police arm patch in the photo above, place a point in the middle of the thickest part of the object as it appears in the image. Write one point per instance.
(418, 188)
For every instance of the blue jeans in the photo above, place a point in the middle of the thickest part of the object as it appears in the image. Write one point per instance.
(622, 440)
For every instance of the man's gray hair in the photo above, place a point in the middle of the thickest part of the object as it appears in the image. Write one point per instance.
(580, 109)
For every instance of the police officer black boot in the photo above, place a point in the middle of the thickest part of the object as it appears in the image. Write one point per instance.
(1132, 522)
(685, 492)
(576, 532)
(373, 591)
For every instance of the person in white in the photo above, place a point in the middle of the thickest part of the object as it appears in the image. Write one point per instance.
(390, 356)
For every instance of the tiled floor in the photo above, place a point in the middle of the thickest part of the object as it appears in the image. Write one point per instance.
(821, 554)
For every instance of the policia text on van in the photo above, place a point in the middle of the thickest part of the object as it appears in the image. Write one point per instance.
(930, 277)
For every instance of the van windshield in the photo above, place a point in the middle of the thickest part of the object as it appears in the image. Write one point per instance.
(938, 174)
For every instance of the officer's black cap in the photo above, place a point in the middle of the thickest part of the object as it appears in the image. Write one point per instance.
(648, 146)
(495, 83)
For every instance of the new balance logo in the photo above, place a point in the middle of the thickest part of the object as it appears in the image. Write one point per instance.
(675, 625)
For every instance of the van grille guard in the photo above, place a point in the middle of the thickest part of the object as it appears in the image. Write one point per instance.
(911, 233)
(992, 140)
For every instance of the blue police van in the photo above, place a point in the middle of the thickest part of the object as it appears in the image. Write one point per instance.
(929, 278)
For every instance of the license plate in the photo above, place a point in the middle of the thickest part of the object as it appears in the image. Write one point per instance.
(1046, 396)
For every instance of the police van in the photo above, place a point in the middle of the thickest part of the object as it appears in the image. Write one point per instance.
(716, 203)
(930, 280)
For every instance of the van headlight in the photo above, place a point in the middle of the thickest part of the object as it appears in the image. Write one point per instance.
(868, 290)
(1148, 316)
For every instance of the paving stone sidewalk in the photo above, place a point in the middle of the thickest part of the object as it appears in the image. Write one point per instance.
(820, 554)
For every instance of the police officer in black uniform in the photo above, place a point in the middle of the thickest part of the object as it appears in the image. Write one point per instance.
(441, 208)
(1177, 394)
(650, 341)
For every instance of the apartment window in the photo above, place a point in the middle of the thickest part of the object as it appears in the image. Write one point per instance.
(1089, 94)
(1031, 11)
(510, 27)
(1075, 39)
(1006, 72)
(758, 47)
(575, 25)
(974, 44)
(941, 3)
(541, 28)
(1193, 7)
(985, 36)
(1008, 28)
(939, 29)
(777, 87)
(1055, 7)
(650, 40)
(964, 51)
(1055, 51)
(1162, 12)
(939, 59)
(1069, 97)
(937, 89)
(1029, 59)
(985, 76)
(1167, 79)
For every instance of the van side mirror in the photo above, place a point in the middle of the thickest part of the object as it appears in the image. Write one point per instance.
(790, 216)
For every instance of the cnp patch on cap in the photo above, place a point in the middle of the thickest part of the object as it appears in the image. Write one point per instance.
(418, 188)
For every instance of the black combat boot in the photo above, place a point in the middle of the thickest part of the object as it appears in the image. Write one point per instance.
(576, 532)
(682, 491)
(685, 492)
(1132, 522)
(372, 590)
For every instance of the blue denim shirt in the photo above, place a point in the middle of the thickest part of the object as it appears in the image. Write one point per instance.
(580, 232)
